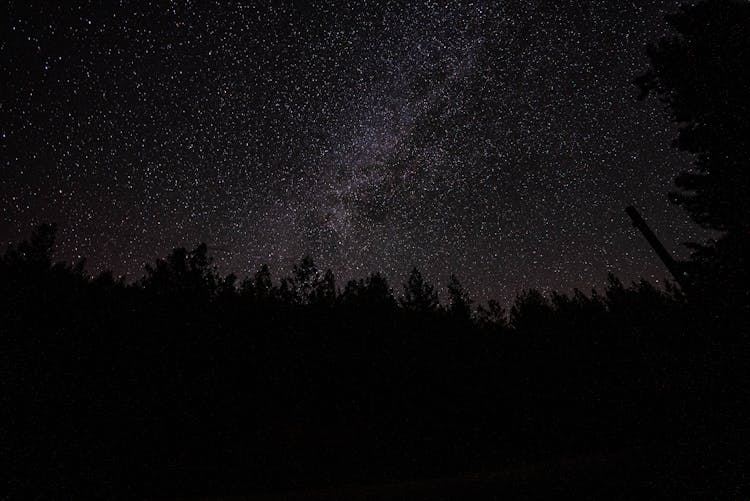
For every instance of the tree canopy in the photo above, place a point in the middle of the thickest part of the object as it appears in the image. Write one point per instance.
(702, 73)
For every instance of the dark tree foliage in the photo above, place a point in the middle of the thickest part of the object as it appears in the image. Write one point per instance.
(492, 315)
(372, 292)
(702, 74)
(419, 296)
(187, 382)
(459, 303)
(189, 274)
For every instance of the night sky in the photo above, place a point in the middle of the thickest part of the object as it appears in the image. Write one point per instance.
(499, 141)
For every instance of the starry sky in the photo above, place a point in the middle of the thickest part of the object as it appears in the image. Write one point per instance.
(498, 140)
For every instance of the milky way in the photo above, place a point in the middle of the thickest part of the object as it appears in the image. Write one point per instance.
(496, 140)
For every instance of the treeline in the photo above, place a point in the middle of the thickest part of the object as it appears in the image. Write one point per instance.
(189, 382)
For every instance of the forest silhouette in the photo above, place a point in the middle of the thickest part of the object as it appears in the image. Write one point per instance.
(189, 382)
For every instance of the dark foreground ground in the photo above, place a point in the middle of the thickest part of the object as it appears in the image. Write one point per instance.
(696, 468)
